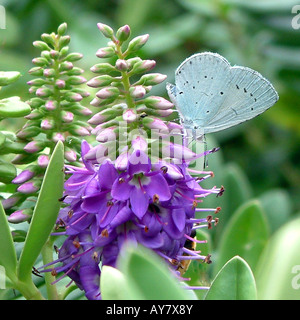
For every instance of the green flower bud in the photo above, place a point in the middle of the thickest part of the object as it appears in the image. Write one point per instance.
(61, 30)
(75, 80)
(40, 61)
(106, 52)
(49, 38)
(123, 33)
(75, 71)
(103, 68)
(36, 71)
(64, 51)
(36, 102)
(41, 45)
(137, 43)
(100, 81)
(107, 31)
(63, 41)
(72, 96)
(73, 57)
(36, 82)
(65, 66)
(28, 132)
(108, 93)
(151, 79)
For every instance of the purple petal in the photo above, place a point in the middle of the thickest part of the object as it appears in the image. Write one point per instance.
(179, 218)
(138, 162)
(151, 242)
(139, 202)
(123, 216)
(90, 279)
(95, 203)
(107, 175)
(158, 186)
(121, 188)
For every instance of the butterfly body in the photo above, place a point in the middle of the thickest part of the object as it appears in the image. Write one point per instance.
(211, 95)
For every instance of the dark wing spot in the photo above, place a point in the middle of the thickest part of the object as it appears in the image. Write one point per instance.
(245, 90)
(207, 111)
(237, 86)
(205, 77)
(252, 109)
(181, 92)
(221, 93)
(255, 99)
(193, 87)
(251, 95)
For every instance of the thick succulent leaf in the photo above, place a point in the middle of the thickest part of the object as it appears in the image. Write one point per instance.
(8, 258)
(278, 271)
(148, 277)
(13, 107)
(45, 212)
(245, 235)
(235, 281)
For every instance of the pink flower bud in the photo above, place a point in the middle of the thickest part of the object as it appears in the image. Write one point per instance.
(67, 116)
(20, 216)
(58, 137)
(47, 124)
(43, 92)
(29, 187)
(50, 105)
(105, 52)
(107, 134)
(23, 176)
(60, 83)
(108, 92)
(129, 116)
(138, 92)
(121, 65)
(158, 103)
(43, 161)
(154, 123)
(70, 155)
(34, 146)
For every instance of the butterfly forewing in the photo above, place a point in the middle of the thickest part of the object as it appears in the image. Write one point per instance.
(216, 96)
(196, 80)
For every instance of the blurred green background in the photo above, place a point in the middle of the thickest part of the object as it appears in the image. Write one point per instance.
(262, 154)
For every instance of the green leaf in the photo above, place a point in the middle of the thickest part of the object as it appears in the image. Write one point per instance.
(277, 206)
(148, 277)
(113, 284)
(234, 281)
(7, 172)
(8, 77)
(45, 212)
(237, 187)
(2, 139)
(278, 271)
(13, 107)
(8, 258)
(245, 235)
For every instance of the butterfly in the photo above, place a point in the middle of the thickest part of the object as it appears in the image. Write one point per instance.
(211, 95)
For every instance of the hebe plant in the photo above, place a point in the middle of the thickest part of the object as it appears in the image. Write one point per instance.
(112, 197)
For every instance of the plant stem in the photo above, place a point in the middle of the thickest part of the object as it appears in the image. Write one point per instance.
(47, 255)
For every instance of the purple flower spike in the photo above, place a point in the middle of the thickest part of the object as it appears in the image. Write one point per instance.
(130, 198)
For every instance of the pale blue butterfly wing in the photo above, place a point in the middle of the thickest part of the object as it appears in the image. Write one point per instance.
(211, 95)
